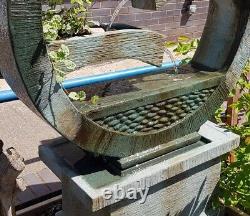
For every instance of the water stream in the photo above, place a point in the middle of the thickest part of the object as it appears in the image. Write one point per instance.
(172, 58)
(116, 12)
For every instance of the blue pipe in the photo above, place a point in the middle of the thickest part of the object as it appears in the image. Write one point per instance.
(9, 95)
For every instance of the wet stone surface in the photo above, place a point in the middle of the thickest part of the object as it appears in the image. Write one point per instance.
(153, 117)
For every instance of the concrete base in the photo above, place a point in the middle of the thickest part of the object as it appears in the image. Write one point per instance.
(181, 184)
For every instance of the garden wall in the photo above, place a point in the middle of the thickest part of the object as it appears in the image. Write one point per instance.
(171, 21)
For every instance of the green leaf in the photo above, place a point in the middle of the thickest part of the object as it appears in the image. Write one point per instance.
(170, 44)
(73, 96)
(185, 61)
(183, 38)
(77, 96)
(95, 99)
(69, 64)
(53, 55)
(59, 78)
(80, 2)
(195, 43)
(64, 49)
(82, 95)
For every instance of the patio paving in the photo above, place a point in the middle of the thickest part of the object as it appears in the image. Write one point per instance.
(39, 186)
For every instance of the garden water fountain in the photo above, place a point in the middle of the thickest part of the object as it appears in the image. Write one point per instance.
(152, 138)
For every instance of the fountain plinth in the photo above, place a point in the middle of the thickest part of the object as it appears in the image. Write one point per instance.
(177, 183)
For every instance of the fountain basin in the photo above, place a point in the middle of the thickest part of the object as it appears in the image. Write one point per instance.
(138, 110)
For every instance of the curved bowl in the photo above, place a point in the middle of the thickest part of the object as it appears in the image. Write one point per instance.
(25, 65)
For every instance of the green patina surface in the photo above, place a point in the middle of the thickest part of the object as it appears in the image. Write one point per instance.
(156, 116)
(120, 44)
(105, 173)
(224, 48)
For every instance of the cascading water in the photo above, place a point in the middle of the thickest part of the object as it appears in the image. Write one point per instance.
(172, 58)
(116, 12)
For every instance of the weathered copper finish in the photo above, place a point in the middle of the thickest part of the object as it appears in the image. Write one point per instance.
(25, 65)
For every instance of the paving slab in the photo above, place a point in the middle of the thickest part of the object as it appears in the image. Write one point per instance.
(39, 186)
(22, 129)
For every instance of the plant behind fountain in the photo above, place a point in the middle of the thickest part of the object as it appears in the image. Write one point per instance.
(183, 47)
(234, 186)
(65, 22)
(60, 23)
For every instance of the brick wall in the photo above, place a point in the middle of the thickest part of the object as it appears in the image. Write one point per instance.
(171, 20)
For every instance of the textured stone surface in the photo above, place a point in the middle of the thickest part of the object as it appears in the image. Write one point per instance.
(143, 45)
(153, 117)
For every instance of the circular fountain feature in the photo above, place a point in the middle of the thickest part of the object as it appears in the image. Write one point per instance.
(224, 49)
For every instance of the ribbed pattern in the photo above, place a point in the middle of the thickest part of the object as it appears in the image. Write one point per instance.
(157, 116)
(143, 45)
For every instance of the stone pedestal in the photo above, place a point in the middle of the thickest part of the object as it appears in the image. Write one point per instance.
(181, 183)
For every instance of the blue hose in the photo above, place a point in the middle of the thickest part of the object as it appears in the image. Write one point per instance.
(9, 95)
